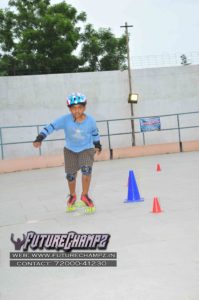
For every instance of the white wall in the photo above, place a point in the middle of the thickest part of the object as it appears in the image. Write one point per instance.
(31, 100)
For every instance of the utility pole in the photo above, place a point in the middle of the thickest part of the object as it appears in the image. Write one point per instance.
(126, 26)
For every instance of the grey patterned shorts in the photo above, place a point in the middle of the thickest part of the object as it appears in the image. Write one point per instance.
(74, 161)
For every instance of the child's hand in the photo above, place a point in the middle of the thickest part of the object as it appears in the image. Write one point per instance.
(37, 144)
(98, 147)
(97, 151)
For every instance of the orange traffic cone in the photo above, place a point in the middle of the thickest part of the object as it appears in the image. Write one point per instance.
(156, 206)
(158, 168)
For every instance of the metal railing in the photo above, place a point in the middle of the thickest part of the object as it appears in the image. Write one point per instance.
(165, 60)
(108, 133)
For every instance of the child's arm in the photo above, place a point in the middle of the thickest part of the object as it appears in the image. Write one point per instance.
(55, 125)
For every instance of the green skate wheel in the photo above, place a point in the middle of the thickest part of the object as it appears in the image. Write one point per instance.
(71, 208)
(90, 210)
(80, 204)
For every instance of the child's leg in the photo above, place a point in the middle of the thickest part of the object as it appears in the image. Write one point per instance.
(86, 179)
(71, 168)
(71, 179)
(86, 159)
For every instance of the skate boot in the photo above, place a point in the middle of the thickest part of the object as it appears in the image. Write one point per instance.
(87, 203)
(71, 205)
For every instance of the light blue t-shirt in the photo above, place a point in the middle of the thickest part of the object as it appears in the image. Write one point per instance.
(78, 136)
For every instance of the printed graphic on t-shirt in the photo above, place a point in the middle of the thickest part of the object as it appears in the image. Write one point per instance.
(78, 134)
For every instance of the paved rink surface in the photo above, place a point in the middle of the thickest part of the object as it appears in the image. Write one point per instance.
(158, 254)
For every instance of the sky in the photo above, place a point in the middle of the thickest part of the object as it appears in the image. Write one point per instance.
(159, 26)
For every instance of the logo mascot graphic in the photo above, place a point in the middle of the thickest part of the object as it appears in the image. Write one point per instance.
(18, 243)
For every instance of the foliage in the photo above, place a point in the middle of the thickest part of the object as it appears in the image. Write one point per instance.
(102, 51)
(39, 38)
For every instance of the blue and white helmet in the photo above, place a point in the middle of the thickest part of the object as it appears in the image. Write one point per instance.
(75, 99)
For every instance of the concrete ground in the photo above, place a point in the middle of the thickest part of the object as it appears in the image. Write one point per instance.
(158, 254)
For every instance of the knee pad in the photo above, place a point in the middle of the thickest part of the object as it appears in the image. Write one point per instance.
(70, 177)
(86, 170)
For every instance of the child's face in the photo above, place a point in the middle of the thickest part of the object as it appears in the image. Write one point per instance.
(77, 110)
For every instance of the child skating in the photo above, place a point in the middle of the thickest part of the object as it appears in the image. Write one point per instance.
(81, 142)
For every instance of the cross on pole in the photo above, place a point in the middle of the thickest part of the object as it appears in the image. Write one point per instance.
(126, 26)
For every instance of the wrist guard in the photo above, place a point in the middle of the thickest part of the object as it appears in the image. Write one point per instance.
(98, 145)
(40, 138)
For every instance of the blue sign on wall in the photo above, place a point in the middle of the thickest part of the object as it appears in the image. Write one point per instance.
(150, 124)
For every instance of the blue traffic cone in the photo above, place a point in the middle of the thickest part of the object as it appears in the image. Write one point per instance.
(133, 192)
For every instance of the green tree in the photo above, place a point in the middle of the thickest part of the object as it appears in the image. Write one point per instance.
(39, 38)
(102, 51)
(36, 37)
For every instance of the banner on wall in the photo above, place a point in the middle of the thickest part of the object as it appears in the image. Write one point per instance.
(150, 124)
